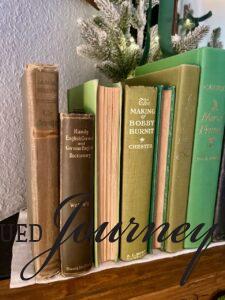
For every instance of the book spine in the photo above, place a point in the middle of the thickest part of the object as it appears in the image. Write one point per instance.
(181, 153)
(155, 162)
(77, 182)
(165, 137)
(208, 142)
(219, 218)
(138, 141)
(168, 158)
(40, 107)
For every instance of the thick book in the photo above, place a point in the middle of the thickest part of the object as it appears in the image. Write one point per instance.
(41, 127)
(208, 131)
(106, 104)
(164, 156)
(186, 80)
(137, 160)
(108, 131)
(77, 133)
(219, 217)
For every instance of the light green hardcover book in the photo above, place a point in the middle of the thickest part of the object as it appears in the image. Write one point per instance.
(155, 161)
(85, 98)
(186, 80)
(208, 132)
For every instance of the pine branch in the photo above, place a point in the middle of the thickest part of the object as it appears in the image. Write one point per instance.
(108, 10)
(191, 40)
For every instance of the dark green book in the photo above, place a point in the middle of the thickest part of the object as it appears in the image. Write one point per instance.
(162, 174)
(168, 158)
(155, 161)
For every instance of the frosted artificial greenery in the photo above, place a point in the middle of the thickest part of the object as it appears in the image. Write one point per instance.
(181, 43)
(117, 39)
(109, 37)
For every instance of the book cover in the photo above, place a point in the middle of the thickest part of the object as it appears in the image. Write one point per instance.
(186, 80)
(41, 133)
(208, 131)
(219, 217)
(77, 181)
(138, 142)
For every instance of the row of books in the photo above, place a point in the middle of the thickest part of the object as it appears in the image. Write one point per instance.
(126, 156)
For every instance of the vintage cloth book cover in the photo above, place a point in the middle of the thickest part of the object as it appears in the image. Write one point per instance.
(138, 142)
(41, 127)
(92, 98)
(77, 133)
(219, 218)
(209, 131)
(186, 80)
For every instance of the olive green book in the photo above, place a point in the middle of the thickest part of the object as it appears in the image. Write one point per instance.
(209, 131)
(168, 158)
(186, 80)
(137, 161)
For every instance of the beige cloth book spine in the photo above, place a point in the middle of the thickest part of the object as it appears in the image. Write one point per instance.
(41, 128)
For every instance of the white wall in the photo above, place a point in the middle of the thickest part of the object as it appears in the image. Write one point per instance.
(217, 7)
(33, 31)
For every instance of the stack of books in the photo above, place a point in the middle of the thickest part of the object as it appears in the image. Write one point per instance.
(130, 167)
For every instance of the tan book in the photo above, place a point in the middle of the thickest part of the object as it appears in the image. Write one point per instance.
(138, 142)
(162, 160)
(40, 106)
(108, 132)
(77, 181)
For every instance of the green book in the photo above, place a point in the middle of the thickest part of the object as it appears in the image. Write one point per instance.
(186, 80)
(155, 160)
(137, 159)
(208, 132)
(103, 102)
(168, 158)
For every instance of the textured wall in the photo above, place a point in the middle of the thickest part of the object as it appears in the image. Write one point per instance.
(202, 7)
(32, 31)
